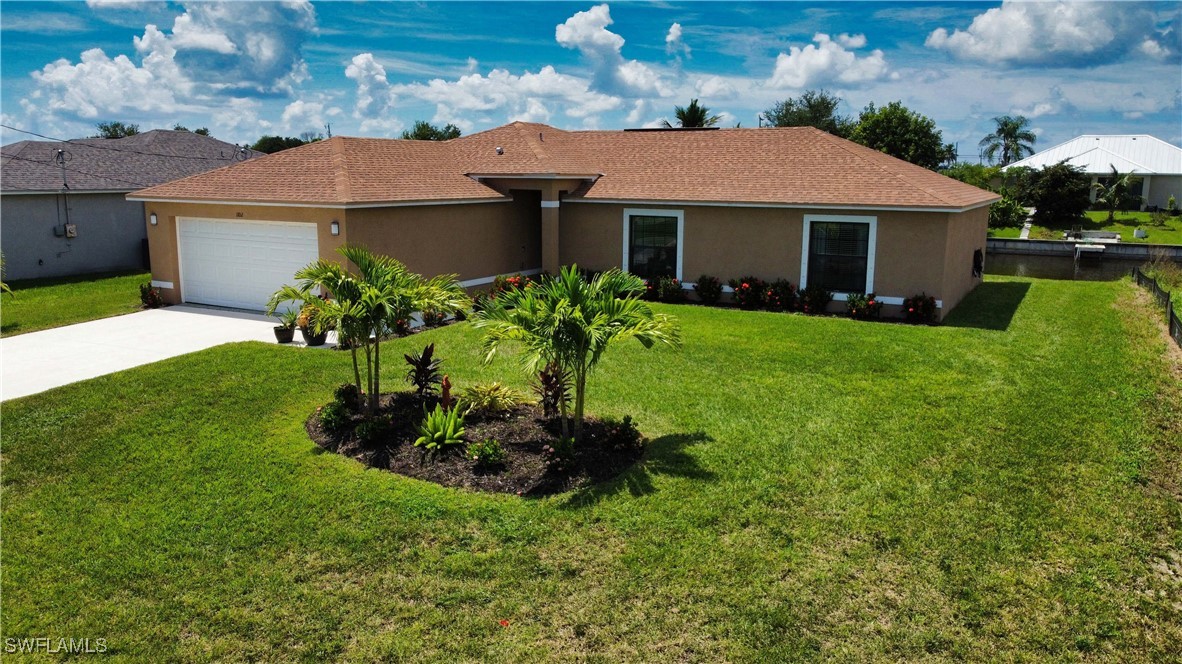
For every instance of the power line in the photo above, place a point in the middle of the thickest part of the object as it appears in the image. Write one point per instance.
(239, 150)
(68, 168)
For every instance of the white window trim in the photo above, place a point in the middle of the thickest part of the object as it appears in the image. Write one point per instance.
(842, 218)
(651, 212)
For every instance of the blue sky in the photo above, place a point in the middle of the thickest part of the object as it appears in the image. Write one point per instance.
(244, 69)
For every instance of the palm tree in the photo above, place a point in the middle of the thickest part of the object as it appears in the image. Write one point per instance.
(693, 115)
(365, 306)
(1115, 192)
(1011, 137)
(571, 322)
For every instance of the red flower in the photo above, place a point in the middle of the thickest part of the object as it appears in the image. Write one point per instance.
(871, 303)
(911, 310)
(746, 285)
(504, 623)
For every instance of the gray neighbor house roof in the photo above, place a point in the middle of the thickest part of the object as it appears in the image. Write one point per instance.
(112, 164)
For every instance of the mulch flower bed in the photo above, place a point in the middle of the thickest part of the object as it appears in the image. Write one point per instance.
(531, 468)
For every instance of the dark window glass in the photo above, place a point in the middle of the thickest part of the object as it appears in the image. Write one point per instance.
(837, 256)
(652, 248)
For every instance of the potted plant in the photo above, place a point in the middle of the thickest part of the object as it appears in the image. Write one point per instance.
(285, 330)
(312, 329)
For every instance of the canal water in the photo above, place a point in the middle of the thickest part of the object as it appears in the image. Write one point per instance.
(1059, 267)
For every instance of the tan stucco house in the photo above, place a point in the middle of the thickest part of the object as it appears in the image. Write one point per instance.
(793, 203)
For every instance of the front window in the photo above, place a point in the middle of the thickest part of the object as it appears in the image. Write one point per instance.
(652, 246)
(838, 254)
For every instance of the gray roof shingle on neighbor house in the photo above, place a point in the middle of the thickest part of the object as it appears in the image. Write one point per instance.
(113, 164)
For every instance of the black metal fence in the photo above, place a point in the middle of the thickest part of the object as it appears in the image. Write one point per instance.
(1163, 300)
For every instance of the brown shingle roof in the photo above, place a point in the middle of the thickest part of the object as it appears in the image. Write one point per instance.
(785, 166)
(118, 164)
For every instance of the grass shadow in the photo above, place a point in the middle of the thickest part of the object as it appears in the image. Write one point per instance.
(990, 306)
(664, 456)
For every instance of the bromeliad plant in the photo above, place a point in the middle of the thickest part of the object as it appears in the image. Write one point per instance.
(571, 322)
(863, 307)
(365, 305)
(441, 428)
(490, 398)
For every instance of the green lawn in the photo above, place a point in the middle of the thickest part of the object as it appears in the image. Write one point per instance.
(1124, 223)
(38, 304)
(1000, 488)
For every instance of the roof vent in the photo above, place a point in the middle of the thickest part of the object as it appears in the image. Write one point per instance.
(500, 150)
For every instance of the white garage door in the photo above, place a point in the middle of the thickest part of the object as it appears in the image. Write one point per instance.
(241, 263)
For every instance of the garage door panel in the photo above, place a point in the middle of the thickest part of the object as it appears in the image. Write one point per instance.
(241, 263)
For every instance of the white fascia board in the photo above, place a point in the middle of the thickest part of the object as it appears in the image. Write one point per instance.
(786, 206)
(534, 176)
(328, 206)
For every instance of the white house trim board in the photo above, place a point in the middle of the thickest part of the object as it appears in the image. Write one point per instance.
(326, 206)
(871, 249)
(550, 204)
(784, 206)
(650, 212)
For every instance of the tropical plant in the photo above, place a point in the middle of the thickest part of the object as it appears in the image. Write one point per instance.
(424, 370)
(814, 108)
(334, 416)
(553, 389)
(748, 291)
(441, 428)
(570, 321)
(1011, 137)
(708, 288)
(694, 115)
(150, 296)
(1113, 191)
(780, 295)
(978, 175)
(493, 398)
(487, 453)
(919, 308)
(4, 288)
(669, 290)
(814, 299)
(366, 305)
(289, 319)
(863, 307)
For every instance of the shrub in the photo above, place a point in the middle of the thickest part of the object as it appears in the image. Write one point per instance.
(709, 289)
(863, 307)
(652, 290)
(553, 389)
(623, 434)
(481, 301)
(1171, 204)
(1159, 218)
(441, 429)
(919, 308)
(561, 455)
(814, 300)
(401, 327)
(150, 296)
(334, 416)
(347, 396)
(424, 370)
(749, 292)
(1006, 213)
(490, 398)
(780, 295)
(487, 453)
(373, 429)
(1060, 195)
(502, 283)
(432, 318)
(670, 290)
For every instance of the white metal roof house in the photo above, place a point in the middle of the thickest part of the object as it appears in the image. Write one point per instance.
(1158, 163)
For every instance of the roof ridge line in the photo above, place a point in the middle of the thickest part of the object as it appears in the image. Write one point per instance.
(839, 142)
(1121, 156)
(340, 166)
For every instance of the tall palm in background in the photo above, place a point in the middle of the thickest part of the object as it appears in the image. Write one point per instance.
(1011, 137)
(693, 115)
(570, 321)
(365, 306)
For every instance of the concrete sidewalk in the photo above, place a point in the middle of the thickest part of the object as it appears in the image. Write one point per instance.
(38, 361)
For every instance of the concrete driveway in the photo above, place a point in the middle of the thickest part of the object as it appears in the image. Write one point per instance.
(38, 361)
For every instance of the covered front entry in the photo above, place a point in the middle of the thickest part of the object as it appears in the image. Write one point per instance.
(237, 263)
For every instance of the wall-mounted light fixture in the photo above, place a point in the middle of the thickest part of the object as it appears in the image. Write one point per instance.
(152, 219)
(335, 227)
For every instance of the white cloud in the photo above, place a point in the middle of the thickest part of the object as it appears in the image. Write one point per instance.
(1062, 33)
(715, 87)
(303, 115)
(673, 43)
(587, 32)
(530, 95)
(373, 88)
(1153, 49)
(99, 85)
(851, 41)
(827, 61)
